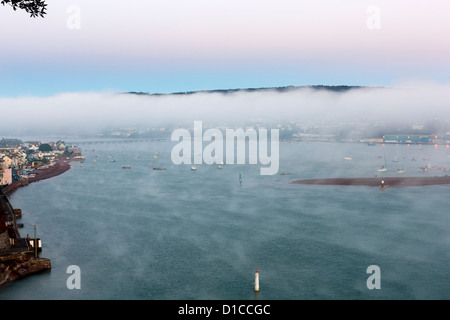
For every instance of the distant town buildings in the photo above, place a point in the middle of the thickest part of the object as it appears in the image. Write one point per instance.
(319, 129)
(417, 139)
(17, 158)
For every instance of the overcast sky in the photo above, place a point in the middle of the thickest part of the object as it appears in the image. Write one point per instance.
(181, 45)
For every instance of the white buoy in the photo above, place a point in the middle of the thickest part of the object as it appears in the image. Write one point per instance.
(256, 281)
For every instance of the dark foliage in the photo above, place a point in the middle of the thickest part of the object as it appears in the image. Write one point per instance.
(45, 147)
(35, 8)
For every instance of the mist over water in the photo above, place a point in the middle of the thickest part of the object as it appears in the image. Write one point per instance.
(182, 234)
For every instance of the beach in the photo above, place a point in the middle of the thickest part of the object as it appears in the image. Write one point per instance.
(59, 167)
(376, 182)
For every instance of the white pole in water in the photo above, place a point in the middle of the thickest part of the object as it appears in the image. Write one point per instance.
(256, 281)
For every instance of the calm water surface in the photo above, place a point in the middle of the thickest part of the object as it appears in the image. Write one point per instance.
(180, 234)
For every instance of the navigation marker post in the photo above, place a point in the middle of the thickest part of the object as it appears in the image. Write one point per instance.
(256, 281)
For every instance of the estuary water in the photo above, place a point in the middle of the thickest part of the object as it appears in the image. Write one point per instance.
(151, 234)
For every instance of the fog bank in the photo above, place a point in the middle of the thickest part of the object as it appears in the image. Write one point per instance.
(92, 112)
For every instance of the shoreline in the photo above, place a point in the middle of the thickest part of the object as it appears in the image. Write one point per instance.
(58, 168)
(376, 182)
(17, 265)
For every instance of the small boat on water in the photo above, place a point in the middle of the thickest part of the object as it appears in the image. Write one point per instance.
(159, 168)
(401, 171)
(219, 166)
(126, 167)
(347, 158)
(193, 168)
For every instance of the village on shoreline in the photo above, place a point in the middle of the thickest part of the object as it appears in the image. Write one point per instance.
(25, 162)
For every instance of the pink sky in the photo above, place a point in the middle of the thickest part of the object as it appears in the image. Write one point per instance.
(210, 35)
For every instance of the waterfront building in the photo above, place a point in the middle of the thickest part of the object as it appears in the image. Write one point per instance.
(416, 139)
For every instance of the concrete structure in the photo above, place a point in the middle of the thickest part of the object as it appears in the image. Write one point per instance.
(19, 265)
